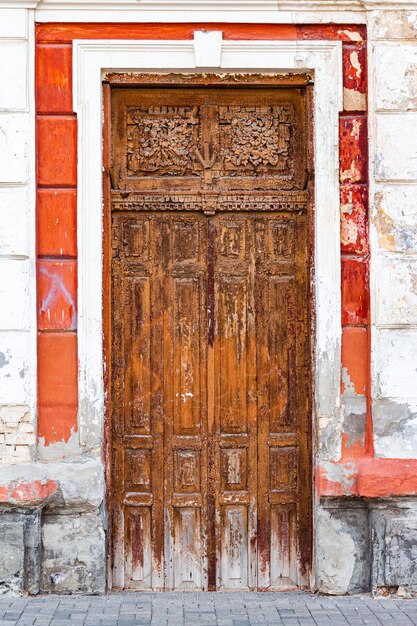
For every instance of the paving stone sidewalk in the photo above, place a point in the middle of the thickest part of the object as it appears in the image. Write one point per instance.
(211, 609)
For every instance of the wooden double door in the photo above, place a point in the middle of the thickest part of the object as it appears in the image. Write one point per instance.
(210, 346)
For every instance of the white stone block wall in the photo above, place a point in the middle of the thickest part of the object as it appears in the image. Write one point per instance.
(17, 238)
(393, 172)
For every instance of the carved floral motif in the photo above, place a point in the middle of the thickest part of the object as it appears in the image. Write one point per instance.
(256, 140)
(161, 140)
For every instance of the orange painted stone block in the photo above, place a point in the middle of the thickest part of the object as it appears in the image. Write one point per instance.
(355, 291)
(57, 222)
(368, 478)
(57, 386)
(57, 151)
(65, 33)
(355, 358)
(57, 295)
(353, 219)
(353, 150)
(54, 79)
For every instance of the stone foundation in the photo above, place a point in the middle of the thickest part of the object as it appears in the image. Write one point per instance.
(361, 546)
(53, 528)
(367, 545)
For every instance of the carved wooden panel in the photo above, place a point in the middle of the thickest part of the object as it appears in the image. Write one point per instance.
(161, 140)
(256, 140)
(210, 397)
(207, 139)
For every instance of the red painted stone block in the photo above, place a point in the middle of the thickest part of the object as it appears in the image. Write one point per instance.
(57, 151)
(57, 295)
(337, 32)
(57, 222)
(353, 149)
(54, 79)
(353, 219)
(354, 68)
(355, 357)
(355, 291)
(57, 386)
(256, 31)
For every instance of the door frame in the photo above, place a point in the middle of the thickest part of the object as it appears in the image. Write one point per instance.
(95, 60)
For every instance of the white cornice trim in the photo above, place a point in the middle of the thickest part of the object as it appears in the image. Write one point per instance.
(186, 14)
(285, 11)
(300, 6)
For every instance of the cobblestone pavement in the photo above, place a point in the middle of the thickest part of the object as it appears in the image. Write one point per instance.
(212, 609)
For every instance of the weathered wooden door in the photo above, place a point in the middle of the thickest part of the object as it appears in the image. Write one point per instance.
(210, 368)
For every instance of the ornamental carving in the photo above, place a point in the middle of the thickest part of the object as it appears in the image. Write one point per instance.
(212, 203)
(161, 140)
(256, 140)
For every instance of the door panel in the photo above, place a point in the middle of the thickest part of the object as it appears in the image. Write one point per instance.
(210, 396)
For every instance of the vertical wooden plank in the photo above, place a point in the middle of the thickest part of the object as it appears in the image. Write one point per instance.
(71, 212)
(213, 539)
(283, 361)
(235, 401)
(185, 407)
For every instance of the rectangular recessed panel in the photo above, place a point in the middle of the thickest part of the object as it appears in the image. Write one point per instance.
(138, 470)
(185, 241)
(281, 240)
(234, 557)
(232, 353)
(136, 239)
(234, 468)
(283, 469)
(283, 546)
(232, 239)
(138, 549)
(186, 373)
(281, 305)
(187, 548)
(137, 388)
(187, 471)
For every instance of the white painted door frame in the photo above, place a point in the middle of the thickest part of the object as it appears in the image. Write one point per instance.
(208, 51)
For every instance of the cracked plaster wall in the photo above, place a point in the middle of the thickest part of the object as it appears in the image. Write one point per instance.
(17, 266)
(393, 232)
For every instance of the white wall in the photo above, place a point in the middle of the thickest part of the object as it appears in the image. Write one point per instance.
(393, 129)
(17, 238)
